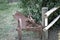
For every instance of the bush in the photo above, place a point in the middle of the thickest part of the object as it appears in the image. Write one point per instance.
(34, 7)
(31, 7)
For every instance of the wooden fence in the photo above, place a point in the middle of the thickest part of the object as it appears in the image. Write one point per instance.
(45, 16)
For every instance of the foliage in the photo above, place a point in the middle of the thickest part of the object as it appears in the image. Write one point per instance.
(51, 3)
(34, 7)
(31, 7)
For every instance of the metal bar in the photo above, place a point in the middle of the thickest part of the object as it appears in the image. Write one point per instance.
(51, 24)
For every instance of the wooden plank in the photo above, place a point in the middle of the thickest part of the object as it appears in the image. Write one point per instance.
(46, 21)
(51, 24)
(51, 11)
(45, 34)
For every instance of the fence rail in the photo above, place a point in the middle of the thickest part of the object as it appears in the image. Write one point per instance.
(45, 16)
(51, 24)
(51, 11)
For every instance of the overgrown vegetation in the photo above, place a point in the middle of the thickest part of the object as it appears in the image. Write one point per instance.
(31, 7)
(26, 7)
(34, 7)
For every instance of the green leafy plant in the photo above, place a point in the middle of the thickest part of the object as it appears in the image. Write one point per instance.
(34, 7)
(31, 7)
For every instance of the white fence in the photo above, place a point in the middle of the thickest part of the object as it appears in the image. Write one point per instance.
(45, 15)
(46, 18)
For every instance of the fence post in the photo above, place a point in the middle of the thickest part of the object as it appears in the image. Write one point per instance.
(45, 34)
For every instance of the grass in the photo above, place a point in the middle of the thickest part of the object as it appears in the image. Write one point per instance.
(8, 25)
(7, 29)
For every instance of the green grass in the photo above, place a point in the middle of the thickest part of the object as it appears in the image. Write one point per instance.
(8, 25)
